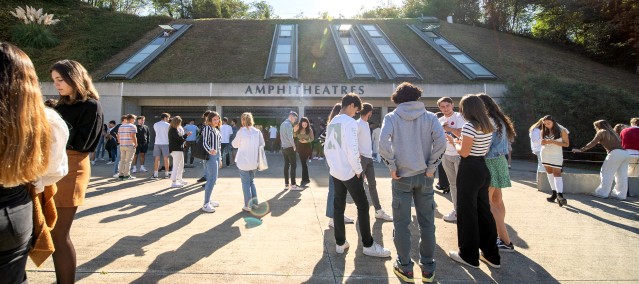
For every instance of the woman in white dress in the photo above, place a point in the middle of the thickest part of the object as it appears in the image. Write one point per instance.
(553, 138)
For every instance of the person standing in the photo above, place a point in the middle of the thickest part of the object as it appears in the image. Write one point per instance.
(412, 170)
(365, 143)
(248, 141)
(342, 154)
(233, 149)
(553, 138)
(615, 167)
(226, 131)
(213, 145)
(272, 137)
(128, 143)
(499, 168)
(201, 127)
(99, 150)
(288, 151)
(375, 138)
(534, 132)
(305, 136)
(476, 228)
(161, 147)
(177, 137)
(190, 142)
(143, 137)
(118, 155)
(630, 142)
(80, 108)
(111, 143)
(452, 123)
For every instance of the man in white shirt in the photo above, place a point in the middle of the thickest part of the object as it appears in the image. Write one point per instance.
(161, 146)
(375, 133)
(342, 154)
(272, 137)
(226, 131)
(366, 156)
(452, 123)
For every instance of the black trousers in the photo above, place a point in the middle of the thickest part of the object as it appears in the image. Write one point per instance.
(16, 230)
(354, 186)
(290, 161)
(442, 179)
(304, 152)
(476, 227)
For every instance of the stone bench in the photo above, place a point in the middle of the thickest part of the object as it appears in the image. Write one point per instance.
(582, 183)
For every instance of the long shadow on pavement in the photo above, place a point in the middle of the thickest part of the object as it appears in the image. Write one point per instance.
(369, 269)
(329, 265)
(629, 211)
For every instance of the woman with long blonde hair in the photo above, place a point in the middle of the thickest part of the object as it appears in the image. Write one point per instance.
(248, 141)
(80, 108)
(32, 145)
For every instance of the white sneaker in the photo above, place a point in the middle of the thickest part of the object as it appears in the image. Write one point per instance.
(320, 159)
(182, 182)
(134, 170)
(451, 217)
(116, 175)
(176, 184)
(376, 250)
(208, 208)
(348, 220)
(315, 158)
(331, 224)
(454, 255)
(342, 248)
(296, 188)
(380, 214)
(142, 169)
(93, 163)
(246, 208)
(214, 203)
(109, 163)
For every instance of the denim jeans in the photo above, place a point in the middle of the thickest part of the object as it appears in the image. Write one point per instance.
(99, 151)
(354, 186)
(212, 167)
(117, 161)
(289, 162)
(16, 229)
(248, 187)
(406, 190)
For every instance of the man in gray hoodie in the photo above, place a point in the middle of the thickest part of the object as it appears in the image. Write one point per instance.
(412, 171)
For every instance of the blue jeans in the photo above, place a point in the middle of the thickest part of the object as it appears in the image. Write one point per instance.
(248, 187)
(117, 161)
(212, 167)
(419, 189)
(99, 151)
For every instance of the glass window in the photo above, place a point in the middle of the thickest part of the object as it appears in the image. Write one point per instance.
(285, 33)
(383, 48)
(138, 58)
(478, 69)
(283, 40)
(283, 58)
(283, 48)
(462, 58)
(379, 40)
(431, 34)
(280, 68)
(392, 58)
(355, 58)
(374, 33)
(361, 69)
(400, 68)
(286, 27)
(159, 41)
(369, 27)
(344, 28)
(441, 41)
(123, 69)
(149, 48)
(451, 48)
(351, 49)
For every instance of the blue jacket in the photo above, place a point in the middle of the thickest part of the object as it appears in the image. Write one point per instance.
(499, 144)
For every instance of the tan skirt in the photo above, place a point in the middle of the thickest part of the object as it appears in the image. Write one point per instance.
(72, 187)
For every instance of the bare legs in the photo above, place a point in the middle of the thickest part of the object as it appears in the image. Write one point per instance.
(498, 209)
(64, 256)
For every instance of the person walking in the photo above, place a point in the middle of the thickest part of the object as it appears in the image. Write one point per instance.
(476, 228)
(128, 143)
(161, 146)
(143, 137)
(499, 169)
(288, 151)
(38, 145)
(305, 136)
(365, 143)
(452, 123)
(615, 167)
(411, 144)
(190, 142)
(226, 131)
(534, 132)
(553, 138)
(342, 154)
(213, 145)
(177, 137)
(80, 108)
(248, 141)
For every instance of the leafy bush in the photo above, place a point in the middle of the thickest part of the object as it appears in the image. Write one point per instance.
(575, 105)
(33, 35)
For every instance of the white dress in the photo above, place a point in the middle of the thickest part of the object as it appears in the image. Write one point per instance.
(551, 154)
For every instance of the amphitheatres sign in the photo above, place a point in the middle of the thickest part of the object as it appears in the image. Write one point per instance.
(303, 89)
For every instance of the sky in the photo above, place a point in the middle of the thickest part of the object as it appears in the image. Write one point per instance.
(312, 8)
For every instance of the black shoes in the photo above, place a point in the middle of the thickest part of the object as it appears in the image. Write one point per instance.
(202, 179)
(552, 197)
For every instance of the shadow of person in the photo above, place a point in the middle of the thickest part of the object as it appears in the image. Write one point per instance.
(283, 201)
(330, 265)
(100, 188)
(369, 269)
(515, 239)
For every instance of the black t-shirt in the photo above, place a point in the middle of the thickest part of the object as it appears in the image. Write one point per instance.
(143, 134)
(114, 133)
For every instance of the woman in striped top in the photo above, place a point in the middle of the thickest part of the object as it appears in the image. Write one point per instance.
(212, 144)
(476, 227)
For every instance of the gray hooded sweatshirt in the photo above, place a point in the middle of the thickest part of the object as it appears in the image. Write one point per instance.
(412, 140)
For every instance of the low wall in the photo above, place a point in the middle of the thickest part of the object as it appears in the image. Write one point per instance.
(582, 183)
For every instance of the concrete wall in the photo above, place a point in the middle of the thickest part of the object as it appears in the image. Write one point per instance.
(582, 183)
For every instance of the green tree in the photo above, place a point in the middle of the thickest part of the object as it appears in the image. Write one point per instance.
(467, 12)
(234, 9)
(438, 8)
(207, 9)
(260, 10)
(381, 12)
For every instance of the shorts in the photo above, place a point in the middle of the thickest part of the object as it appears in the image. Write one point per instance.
(141, 148)
(161, 150)
(499, 175)
(72, 188)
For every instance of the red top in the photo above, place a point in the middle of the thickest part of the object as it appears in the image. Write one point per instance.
(630, 138)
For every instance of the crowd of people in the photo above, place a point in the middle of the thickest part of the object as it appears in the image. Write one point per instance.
(48, 152)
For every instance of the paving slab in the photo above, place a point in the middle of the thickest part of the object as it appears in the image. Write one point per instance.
(144, 231)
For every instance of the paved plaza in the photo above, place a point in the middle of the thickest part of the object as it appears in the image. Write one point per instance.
(143, 231)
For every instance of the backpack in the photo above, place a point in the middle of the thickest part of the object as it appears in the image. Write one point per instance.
(198, 150)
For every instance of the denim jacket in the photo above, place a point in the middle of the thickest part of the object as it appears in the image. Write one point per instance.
(499, 145)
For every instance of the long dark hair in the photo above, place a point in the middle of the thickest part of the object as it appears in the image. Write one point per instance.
(308, 129)
(76, 76)
(555, 131)
(473, 110)
(501, 120)
(336, 109)
(210, 116)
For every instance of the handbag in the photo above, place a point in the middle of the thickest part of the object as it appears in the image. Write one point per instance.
(262, 164)
(198, 150)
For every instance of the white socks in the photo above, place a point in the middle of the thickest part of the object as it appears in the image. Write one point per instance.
(551, 181)
(559, 184)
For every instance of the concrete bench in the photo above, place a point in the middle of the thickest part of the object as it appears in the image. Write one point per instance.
(582, 183)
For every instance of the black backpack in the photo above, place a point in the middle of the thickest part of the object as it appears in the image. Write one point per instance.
(198, 150)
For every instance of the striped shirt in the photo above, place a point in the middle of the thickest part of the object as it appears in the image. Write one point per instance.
(126, 134)
(212, 139)
(481, 141)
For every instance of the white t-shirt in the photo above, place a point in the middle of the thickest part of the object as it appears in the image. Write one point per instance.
(161, 129)
(272, 132)
(364, 139)
(226, 131)
(454, 121)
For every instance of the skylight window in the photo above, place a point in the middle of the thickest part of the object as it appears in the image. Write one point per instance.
(283, 57)
(389, 57)
(356, 63)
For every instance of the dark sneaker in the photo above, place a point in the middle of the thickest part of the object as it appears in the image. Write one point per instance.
(428, 277)
(202, 179)
(504, 247)
(406, 276)
(561, 201)
(154, 177)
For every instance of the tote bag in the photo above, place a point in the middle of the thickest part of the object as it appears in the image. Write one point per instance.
(262, 164)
